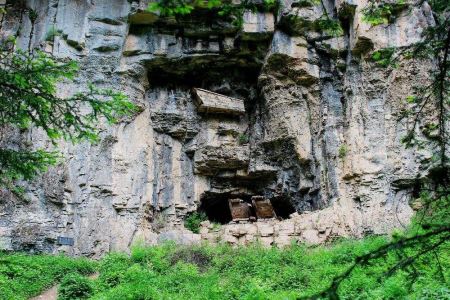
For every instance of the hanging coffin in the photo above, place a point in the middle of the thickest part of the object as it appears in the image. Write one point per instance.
(263, 208)
(240, 210)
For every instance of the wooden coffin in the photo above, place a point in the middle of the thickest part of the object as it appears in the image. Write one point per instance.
(210, 102)
(240, 210)
(263, 208)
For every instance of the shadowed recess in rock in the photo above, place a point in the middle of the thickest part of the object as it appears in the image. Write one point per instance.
(282, 207)
(216, 208)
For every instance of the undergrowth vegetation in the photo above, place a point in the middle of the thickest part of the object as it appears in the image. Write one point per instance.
(222, 272)
(75, 286)
(23, 276)
(193, 221)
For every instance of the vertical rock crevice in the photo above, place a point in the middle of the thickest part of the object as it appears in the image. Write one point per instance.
(303, 118)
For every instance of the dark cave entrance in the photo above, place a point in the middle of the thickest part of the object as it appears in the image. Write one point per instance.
(282, 207)
(217, 209)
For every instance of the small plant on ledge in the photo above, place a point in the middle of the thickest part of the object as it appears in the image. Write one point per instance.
(243, 139)
(343, 150)
(192, 222)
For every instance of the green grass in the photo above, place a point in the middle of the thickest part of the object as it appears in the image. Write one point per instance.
(221, 272)
(23, 276)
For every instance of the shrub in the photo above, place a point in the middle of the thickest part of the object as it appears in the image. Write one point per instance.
(382, 12)
(383, 57)
(23, 276)
(243, 139)
(191, 255)
(218, 272)
(329, 26)
(193, 221)
(139, 252)
(342, 151)
(112, 269)
(75, 286)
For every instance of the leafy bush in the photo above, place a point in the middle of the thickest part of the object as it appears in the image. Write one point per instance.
(254, 272)
(192, 222)
(172, 7)
(382, 12)
(383, 57)
(74, 287)
(23, 276)
(191, 255)
(329, 26)
(112, 269)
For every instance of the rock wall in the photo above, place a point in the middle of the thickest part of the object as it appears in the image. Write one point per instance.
(320, 135)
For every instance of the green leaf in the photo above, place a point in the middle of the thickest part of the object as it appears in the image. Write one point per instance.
(29, 98)
(411, 99)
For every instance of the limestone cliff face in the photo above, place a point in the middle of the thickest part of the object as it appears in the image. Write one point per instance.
(320, 135)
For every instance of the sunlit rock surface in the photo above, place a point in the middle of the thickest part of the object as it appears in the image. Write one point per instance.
(318, 133)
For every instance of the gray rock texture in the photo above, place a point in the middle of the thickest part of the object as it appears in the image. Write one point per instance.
(320, 136)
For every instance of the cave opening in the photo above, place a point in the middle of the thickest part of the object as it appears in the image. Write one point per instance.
(282, 207)
(217, 207)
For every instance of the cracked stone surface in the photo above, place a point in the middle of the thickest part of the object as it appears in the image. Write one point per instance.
(306, 96)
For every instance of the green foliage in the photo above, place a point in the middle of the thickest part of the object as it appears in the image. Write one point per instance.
(18, 164)
(430, 130)
(270, 5)
(112, 269)
(383, 57)
(434, 210)
(23, 276)
(75, 287)
(243, 139)
(400, 264)
(31, 81)
(28, 98)
(172, 7)
(342, 151)
(382, 12)
(436, 293)
(411, 99)
(197, 256)
(32, 14)
(222, 272)
(224, 9)
(330, 26)
(192, 222)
